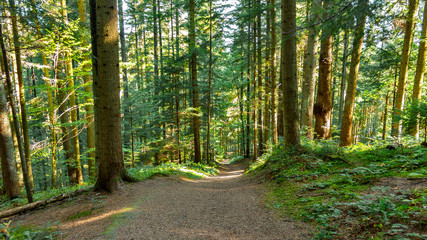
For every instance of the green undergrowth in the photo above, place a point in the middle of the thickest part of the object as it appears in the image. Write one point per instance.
(188, 170)
(5, 203)
(363, 192)
(45, 232)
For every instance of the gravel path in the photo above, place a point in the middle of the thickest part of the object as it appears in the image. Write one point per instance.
(226, 206)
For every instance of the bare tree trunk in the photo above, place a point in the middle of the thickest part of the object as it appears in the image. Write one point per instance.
(22, 102)
(288, 74)
(11, 100)
(347, 118)
(273, 72)
(403, 75)
(260, 87)
(208, 143)
(414, 123)
(107, 98)
(193, 53)
(90, 131)
(8, 169)
(309, 76)
(385, 116)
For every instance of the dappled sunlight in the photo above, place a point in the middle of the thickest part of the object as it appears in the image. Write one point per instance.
(101, 216)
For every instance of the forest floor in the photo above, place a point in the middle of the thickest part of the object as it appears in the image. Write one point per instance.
(229, 205)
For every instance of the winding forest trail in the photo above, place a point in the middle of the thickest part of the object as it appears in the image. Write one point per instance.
(226, 206)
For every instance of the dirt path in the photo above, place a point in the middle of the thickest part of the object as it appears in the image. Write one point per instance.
(226, 206)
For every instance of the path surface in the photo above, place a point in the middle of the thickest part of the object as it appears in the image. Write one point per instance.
(226, 206)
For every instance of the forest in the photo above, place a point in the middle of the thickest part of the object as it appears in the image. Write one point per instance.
(323, 99)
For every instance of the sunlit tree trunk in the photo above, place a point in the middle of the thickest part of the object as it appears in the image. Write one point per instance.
(10, 98)
(8, 169)
(90, 131)
(74, 167)
(123, 53)
(385, 116)
(267, 81)
(403, 75)
(260, 90)
(309, 75)
(343, 77)
(323, 106)
(273, 73)
(288, 74)
(255, 91)
(347, 118)
(414, 124)
(107, 98)
(22, 101)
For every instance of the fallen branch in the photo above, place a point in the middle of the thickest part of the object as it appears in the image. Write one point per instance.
(41, 203)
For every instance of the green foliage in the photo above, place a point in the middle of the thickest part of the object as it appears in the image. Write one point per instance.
(48, 231)
(335, 188)
(189, 170)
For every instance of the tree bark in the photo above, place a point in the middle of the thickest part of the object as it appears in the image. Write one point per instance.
(322, 108)
(288, 74)
(8, 169)
(11, 100)
(403, 75)
(107, 99)
(273, 73)
(414, 123)
(22, 101)
(90, 131)
(347, 118)
(208, 138)
(309, 75)
(193, 60)
(343, 77)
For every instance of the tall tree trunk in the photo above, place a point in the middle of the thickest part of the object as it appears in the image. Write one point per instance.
(90, 131)
(176, 85)
(50, 93)
(347, 118)
(403, 75)
(248, 89)
(309, 75)
(267, 81)
(322, 108)
(193, 53)
(11, 100)
(208, 143)
(22, 102)
(107, 98)
(343, 77)
(123, 53)
(414, 124)
(288, 74)
(385, 116)
(260, 87)
(255, 91)
(8, 169)
(273, 73)
(74, 166)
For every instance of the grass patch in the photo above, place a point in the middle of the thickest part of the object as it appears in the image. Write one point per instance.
(188, 170)
(80, 215)
(344, 190)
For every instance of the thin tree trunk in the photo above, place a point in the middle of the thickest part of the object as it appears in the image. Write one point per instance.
(193, 53)
(309, 75)
(414, 123)
(385, 116)
(260, 86)
(267, 82)
(123, 53)
(273, 73)
(22, 101)
(255, 92)
(74, 166)
(90, 131)
(210, 84)
(347, 118)
(343, 77)
(288, 74)
(11, 100)
(403, 75)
